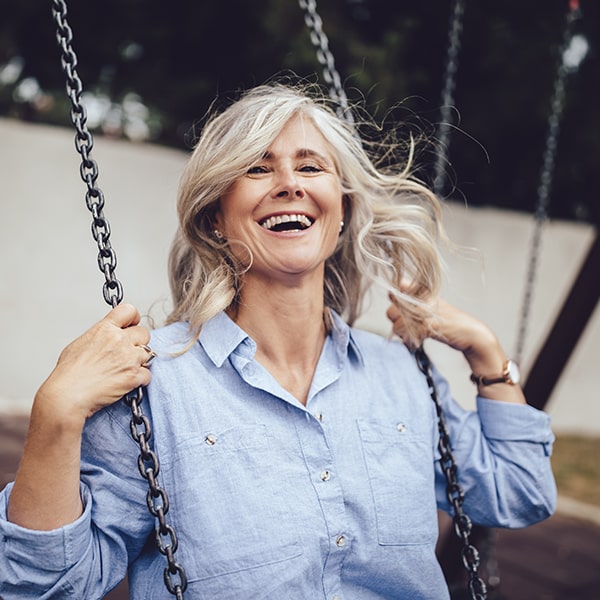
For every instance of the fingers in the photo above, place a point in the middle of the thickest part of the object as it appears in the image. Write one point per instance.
(124, 315)
(105, 363)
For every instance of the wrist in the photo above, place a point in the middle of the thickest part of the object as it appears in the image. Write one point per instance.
(509, 374)
(52, 410)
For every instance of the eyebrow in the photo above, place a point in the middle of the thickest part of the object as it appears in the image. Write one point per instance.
(302, 153)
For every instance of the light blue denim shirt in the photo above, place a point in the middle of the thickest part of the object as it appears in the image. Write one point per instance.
(272, 499)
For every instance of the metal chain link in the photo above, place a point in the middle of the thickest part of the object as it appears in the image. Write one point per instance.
(325, 57)
(456, 27)
(148, 464)
(546, 174)
(454, 491)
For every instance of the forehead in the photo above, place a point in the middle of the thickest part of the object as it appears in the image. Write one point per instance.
(300, 132)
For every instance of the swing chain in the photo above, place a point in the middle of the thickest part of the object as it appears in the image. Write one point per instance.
(546, 172)
(94, 198)
(148, 464)
(456, 27)
(454, 491)
(331, 75)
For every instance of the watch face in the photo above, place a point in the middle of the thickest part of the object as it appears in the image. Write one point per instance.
(513, 371)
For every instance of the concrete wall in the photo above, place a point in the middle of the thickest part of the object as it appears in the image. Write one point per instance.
(50, 287)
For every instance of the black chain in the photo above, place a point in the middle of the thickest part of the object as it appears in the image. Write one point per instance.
(148, 465)
(546, 174)
(331, 75)
(454, 35)
(454, 491)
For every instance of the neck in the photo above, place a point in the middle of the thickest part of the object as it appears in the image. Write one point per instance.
(288, 326)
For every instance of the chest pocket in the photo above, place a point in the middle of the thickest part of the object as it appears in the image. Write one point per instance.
(237, 504)
(400, 466)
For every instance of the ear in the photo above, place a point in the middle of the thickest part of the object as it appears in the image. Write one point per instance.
(345, 207)
(216, 220)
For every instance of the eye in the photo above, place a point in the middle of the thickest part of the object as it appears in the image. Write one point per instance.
(257, 170)
(311, 168)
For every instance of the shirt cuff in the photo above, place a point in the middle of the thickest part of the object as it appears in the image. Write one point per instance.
(55, 550)
(510, 421)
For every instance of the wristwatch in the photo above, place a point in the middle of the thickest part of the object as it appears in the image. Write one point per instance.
(511, 374)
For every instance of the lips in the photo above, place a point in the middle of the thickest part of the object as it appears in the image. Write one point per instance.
(287, 222)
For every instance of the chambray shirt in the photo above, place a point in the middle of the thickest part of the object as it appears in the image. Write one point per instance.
(271, 499)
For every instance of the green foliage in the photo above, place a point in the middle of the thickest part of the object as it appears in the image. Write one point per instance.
(181, 56)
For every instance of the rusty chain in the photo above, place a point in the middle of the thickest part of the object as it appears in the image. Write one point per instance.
(141, 432)
(454, 491)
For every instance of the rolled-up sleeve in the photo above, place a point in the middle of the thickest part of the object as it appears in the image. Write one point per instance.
(502, 451)
(88, 557)
(40, 559)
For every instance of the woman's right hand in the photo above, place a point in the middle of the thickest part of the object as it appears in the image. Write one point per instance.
(99, 367)
(95, 370)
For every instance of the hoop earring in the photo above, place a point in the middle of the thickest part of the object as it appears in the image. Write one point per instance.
(218, 234)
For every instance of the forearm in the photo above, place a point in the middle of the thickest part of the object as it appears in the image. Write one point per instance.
(46, 493)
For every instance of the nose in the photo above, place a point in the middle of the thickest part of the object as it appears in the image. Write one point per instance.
(287, 185)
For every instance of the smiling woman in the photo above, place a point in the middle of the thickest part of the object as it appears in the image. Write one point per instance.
(278, 145)
(300, 453)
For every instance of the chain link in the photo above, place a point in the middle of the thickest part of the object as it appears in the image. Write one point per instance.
(148, 465)
(325, 57)
(454, 492)
(546, 175)
(456, 27)
(94, 198)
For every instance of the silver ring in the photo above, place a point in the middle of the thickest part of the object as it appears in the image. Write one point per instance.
(151, 355)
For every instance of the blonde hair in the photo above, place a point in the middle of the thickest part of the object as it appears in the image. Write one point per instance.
(392, 221)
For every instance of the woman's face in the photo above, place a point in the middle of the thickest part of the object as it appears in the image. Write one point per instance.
(288, 207)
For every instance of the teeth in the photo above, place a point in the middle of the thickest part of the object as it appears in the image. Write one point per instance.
(272, 222)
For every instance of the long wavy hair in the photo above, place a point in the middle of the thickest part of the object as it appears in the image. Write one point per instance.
(392, 221)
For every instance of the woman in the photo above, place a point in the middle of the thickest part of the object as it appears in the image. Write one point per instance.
(299, 454)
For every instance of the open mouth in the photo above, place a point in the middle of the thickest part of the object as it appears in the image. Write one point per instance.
(291, 222)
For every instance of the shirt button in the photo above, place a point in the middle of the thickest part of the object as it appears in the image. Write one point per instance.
(325, 475)
(210, 439)
(401, 427)
(319, 417)
(336, 597)
(340, 541)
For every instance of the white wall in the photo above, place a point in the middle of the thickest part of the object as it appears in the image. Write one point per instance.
(50, 287)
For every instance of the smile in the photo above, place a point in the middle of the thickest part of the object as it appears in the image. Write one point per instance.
(291, 222)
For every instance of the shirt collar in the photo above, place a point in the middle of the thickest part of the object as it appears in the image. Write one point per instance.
(221, 336)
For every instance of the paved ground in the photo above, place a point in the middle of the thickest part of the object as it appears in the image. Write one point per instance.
(558, 559)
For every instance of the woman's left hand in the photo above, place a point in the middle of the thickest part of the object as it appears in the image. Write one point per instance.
(463, 332)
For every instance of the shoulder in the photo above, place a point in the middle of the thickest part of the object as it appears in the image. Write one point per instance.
(171, 339)
(374, 346)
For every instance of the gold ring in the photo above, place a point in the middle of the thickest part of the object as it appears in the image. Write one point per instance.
(151, 355)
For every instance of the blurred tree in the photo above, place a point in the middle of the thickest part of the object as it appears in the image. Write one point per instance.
(180, 57)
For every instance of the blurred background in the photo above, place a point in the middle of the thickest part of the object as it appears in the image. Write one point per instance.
(151, 70)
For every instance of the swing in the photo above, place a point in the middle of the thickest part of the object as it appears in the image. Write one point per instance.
(148, 466)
